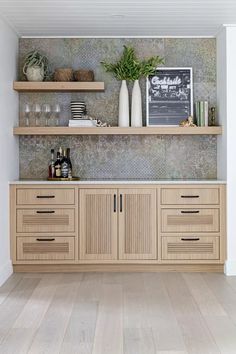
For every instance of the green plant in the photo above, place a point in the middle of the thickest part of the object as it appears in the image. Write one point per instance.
(34, 58)
(130, 68)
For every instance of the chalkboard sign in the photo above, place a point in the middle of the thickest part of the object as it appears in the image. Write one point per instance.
(169, 96)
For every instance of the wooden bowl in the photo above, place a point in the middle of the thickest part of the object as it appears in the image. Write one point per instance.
(84, 75)
(63, 74)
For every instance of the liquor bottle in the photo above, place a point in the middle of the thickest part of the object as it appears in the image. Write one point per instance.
(69, 162)
(60, 152)
(51, 167)
(58, 166)
(64, 165)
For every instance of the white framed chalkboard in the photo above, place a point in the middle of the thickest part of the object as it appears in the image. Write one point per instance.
(169, 96)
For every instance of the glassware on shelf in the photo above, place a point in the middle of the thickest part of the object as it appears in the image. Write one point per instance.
(37, 113)
(27, 114)
(47, 113)
(57, 111)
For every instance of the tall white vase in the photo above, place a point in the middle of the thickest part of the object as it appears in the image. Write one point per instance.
(136, 109)
(124, 105)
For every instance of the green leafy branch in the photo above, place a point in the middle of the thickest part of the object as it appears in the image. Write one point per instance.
(130, 68)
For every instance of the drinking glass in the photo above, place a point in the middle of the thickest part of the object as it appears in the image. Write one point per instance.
(47, 113)
(27, 114)
(57, 111)
(37, 113)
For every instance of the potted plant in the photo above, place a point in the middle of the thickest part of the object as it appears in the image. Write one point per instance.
(35, 66)
(130, 68)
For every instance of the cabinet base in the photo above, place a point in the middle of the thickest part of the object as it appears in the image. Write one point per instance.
(67, 268)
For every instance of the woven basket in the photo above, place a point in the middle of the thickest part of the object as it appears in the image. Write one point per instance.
(84, 75)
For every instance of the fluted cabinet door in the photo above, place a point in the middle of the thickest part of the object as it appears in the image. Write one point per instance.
(98, 224)
(137, 224)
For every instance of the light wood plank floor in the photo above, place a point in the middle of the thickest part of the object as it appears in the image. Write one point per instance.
(118, 313)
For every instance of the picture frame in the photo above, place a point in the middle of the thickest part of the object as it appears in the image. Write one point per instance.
(169, 96)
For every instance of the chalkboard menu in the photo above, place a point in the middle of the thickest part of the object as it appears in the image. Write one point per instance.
(169, 96)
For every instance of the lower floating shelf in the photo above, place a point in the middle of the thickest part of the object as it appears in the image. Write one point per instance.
(117, 131)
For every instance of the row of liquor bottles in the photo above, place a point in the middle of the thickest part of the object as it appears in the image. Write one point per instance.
(61, 167)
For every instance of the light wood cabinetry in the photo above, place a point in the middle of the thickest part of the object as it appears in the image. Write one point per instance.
(45, 248)
(137, 224)
(111, 225)
(98, 224)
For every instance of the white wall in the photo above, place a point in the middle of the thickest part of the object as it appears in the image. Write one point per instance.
(226, 79)
(8, 143)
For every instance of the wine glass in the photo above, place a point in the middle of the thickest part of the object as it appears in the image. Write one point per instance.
(47, 113)
(57, 111)
(27, 114)
(37, 112)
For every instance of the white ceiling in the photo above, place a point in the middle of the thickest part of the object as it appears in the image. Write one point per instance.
(118, 17)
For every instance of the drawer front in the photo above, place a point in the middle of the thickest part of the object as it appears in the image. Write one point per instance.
(190, 196)
(45, 220)
(45, 248)
(48, 196)
(190, 220)
(190, 248)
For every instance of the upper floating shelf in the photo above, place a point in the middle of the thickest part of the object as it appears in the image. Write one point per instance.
(45, 86)
(117, 131)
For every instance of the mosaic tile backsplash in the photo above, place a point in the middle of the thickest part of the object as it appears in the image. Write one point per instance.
(151, 157)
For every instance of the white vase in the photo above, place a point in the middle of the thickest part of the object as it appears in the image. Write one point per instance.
(136, 109)
(124, 105)
(35, 73)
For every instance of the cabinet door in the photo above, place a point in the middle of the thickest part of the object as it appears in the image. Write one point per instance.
(98, 224)
(137, 224)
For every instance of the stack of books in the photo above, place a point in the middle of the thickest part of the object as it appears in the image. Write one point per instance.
(201, 110)
(82, 123)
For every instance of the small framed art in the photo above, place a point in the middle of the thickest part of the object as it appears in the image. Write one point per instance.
(169, 96)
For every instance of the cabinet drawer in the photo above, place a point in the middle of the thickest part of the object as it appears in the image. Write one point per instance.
(45, 220)
(190, 248)
(190, 196)
(45, 248)
(49, 196)
(190, 220)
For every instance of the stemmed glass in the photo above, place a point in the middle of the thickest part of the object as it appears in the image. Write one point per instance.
(57, 110)
(37, 112)
(47, 113)
(27, 114)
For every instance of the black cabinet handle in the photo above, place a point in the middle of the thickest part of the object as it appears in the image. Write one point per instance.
(45, 196)
(189, 196)
(114, 203)
(45, 239)
(190, 239)
(121, 203)
(189, 211)
(45, 211)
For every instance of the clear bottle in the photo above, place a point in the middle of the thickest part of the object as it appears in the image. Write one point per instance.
(64, 165)
(58, 166)
(60, 152)
(51, 167)
(69, 162)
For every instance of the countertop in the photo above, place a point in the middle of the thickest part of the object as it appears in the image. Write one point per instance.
(121, 181)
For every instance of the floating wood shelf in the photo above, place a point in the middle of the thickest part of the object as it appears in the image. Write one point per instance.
(26, 86)
(117, 131)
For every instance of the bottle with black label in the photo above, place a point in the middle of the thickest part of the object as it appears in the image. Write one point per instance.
(58, 166)
(64, 165)
(69, 162)
(51, 167)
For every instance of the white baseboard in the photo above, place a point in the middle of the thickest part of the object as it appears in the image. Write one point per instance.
(230, 267)
(5, 271)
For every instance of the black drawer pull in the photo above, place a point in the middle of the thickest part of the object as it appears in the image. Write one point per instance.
(45, 211)
(189, 211)
(45, 239)
(190, 239)
(121, 203)
(114, 203)
(189, 196)
(45, 196)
